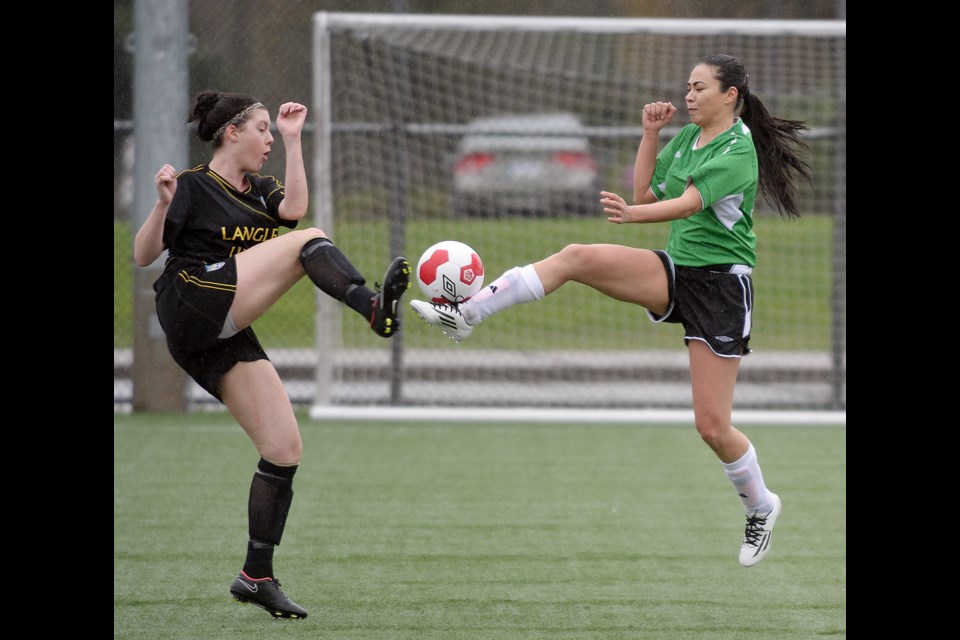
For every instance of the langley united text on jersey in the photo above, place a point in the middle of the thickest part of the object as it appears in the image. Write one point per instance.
(248, 234)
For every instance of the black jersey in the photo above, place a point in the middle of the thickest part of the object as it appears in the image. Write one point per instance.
(209, 220)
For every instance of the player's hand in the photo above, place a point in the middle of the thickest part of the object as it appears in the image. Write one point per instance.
(616, 208)
(166, 183)
(291, 118)
(657, 115)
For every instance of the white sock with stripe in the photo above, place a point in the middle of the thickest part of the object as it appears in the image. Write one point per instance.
(515, 286)
(748, 481)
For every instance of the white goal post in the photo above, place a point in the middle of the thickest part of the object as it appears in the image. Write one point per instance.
(395, 94)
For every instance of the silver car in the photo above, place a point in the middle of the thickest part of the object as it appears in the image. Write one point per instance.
(525, 164)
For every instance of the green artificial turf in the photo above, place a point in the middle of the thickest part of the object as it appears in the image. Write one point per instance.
(483, 531)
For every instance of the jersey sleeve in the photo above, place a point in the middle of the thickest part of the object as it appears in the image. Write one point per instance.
(273, 193)
(178, 212)
(658, 183)
(732, 171)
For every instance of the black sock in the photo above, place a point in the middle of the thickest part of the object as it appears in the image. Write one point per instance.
(259, 562)
(335, 275)
(329, 269)
(271, 494)
(360, 299)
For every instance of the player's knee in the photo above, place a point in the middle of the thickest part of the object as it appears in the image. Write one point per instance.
(574, 253)
(287, 452)
(312, 232)
(711, 428)
(311, 245)
(292, 453)
(313, 237)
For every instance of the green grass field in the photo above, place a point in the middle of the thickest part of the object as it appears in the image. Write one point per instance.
(793, 285)
(483, 531)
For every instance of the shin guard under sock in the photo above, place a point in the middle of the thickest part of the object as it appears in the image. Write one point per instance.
(271, 494)
(335, 275)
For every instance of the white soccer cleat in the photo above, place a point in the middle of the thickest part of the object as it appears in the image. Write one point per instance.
(445, 316)
(759, 534)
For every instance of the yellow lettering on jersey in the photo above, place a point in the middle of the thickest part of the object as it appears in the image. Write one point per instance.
(247, 234)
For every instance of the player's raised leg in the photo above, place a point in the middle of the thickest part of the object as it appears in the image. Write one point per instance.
(267, 271)
(329, 269)
(600, 266)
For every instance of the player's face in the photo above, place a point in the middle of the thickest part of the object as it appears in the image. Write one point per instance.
(255, 140)
(707, 104)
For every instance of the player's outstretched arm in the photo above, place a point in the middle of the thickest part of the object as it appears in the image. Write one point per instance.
(148, 244)
(656, 115)
(684, 206)
(290, 122)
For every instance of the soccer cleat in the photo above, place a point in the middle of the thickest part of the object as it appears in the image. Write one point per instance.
(759, 534)
(396, 280)
(266, 594)
(446, 316)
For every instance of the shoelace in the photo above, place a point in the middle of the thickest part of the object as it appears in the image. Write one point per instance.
(284, 605)
(453, 308)
(753, 532)
(279, 590)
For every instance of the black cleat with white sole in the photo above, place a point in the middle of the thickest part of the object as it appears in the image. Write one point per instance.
(266, 594)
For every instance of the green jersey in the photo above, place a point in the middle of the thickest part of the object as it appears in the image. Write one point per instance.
(725, 174)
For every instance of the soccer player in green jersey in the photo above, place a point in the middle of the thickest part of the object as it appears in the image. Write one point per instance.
(704, 182)
(227, 264)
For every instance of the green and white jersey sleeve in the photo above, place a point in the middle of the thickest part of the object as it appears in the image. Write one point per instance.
(725, 173)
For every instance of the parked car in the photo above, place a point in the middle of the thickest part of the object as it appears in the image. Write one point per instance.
(525, 164)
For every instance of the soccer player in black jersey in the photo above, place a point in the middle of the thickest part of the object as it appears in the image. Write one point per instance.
(227, 264)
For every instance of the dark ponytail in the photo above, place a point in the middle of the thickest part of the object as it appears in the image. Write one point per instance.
(778, 140)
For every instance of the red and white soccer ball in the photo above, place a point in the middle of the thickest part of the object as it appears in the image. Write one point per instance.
(450, 271)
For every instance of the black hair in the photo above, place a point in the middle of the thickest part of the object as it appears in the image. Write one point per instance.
(778, 142)
(213, 109)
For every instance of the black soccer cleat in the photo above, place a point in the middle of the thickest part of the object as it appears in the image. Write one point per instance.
(396, 280)
(266, 594)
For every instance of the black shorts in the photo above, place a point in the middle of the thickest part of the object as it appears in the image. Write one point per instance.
(714, 304)
(192, 305)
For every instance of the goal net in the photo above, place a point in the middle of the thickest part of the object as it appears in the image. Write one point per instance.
(500, 132)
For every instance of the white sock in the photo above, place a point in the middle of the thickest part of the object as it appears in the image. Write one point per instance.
(518, 285)
(748, 481)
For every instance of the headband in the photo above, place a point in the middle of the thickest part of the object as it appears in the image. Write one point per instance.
(237, 118)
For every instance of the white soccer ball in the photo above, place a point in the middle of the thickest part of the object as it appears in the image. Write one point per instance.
(450, 271)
